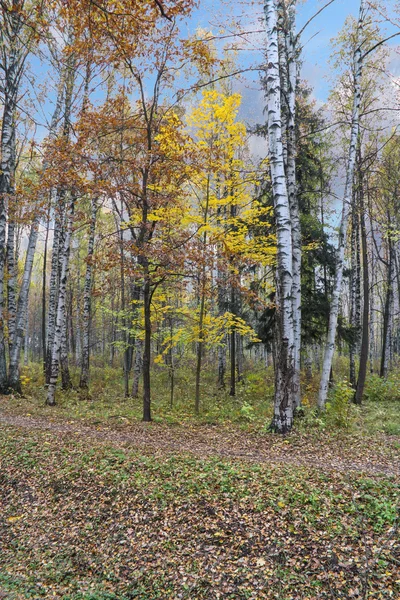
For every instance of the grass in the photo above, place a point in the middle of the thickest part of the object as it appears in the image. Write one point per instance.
(250, 409)
(85, 521)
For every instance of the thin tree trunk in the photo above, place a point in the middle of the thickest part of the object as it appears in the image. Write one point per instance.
(388, 315)
(202, 307)
(147, 346)
(362, 371)
(87, 295)
(239, 357)
(54, 284)
(11, 285)
(44, 274)
(137, 367)
(22, 311)
(337, 288)
(354, 293)
(293, 199)
(26, 342)
(66, 382)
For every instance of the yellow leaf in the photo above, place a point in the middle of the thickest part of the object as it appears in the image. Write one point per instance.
(13, 519)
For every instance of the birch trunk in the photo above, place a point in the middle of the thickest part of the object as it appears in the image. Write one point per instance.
(26, 343)
(14, 50)
(60, 316)
(283, 402)
(53, 287)
(337, 287)
(22, 312)
(293, 199)
(388, 314)
(354, 283)
(7, 169)
(87, 294)
(11, 284)
(66, 382)
(362, 371)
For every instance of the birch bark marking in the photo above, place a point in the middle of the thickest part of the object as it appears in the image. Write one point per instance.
(22, 305)
(60, 318)
(293, 199)
(87, 304)
(11, 281)
(283, 403)
(7, 167)
(347, 198)
(22, 312)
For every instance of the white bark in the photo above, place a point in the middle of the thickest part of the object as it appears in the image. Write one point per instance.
(283, 404)
(60, 318)
(293, 199)
(22, 305)
(347, 198)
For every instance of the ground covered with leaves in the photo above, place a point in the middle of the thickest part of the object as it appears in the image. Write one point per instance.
(89, 515)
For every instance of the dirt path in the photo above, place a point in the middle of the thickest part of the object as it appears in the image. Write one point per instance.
(371, 456)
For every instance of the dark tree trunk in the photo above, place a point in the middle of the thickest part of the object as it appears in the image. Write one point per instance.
(147, 348)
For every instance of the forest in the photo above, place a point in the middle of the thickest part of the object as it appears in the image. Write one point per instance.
(199, 299)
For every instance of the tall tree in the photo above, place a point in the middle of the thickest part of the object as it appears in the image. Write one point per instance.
(347, 200)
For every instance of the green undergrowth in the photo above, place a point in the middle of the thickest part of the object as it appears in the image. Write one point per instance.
(250, 409)
(85, 521)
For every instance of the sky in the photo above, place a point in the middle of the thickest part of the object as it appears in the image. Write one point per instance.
(316, 38)
(225, 15)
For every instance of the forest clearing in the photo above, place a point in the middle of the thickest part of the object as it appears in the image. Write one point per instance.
(199, 299)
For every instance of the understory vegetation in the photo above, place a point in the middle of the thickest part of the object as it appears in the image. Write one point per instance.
(251, 408)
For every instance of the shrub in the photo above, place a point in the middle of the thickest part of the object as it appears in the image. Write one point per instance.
(339, 410)
(378, 389)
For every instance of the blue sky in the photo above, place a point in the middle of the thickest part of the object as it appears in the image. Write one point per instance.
(317, 36)
(224, 14)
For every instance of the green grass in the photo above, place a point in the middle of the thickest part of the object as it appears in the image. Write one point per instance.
(84, 521)
(251, 409)
(106, 403)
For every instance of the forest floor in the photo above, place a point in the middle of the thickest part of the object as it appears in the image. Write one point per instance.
(195, 511)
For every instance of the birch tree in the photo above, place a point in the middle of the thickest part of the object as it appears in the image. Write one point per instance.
(87, 295)
(284, 369)
(15, 45)
(22, 306)
(346, 208)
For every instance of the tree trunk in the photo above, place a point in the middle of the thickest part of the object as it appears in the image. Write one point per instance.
(66, 382)
(239, 357)
(362, 371)
(354, 290)
(11, 285)
(87, 295)
(388, 314)
(147, 346)
(283, 402)
(60, 317)
(54, 282)
(22, 310)
(137, 367)
(337, 287)
(202, 282)
(7, 171)
(293, 200)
